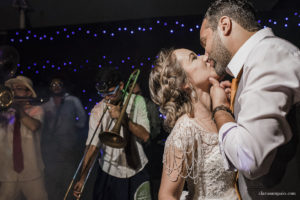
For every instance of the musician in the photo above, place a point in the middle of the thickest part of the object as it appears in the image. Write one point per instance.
(21, 165)
(122, 174)
(64, 120)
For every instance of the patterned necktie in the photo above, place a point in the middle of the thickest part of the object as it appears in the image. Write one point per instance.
(17, 147)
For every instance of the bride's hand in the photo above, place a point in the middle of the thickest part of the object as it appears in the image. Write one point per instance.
(226, 85)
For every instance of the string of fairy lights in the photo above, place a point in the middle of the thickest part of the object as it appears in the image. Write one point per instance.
(106, 31)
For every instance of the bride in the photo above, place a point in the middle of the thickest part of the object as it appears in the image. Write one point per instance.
(179, 85)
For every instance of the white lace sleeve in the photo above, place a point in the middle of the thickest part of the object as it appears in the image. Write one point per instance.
(183, 152)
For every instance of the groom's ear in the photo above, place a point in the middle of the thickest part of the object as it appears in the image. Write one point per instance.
(225, 25)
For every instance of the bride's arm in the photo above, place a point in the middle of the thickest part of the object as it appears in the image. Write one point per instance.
(170, 189)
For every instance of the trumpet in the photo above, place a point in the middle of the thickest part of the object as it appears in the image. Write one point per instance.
(7, 98)
(111, 138)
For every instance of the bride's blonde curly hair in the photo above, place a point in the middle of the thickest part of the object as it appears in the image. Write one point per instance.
(167, 80)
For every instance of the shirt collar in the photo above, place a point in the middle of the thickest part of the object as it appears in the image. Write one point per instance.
(239, 58)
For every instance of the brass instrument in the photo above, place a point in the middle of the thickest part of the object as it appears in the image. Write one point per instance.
(111, 138)
(7, 98)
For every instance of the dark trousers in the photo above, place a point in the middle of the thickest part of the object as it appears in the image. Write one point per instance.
(108, 187)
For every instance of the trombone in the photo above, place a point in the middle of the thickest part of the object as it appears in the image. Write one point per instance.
(111, 138)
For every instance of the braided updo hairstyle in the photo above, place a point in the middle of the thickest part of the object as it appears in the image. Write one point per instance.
(166, 83)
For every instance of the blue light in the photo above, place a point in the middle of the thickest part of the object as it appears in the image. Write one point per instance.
(77, 118)
(110, 62)
(176, 22)
(44, 36)
(34, 36)
(122, 61)
(17, 33)
(21, 72)
(299, 24)
(295, 13)
(75, 70)
(152, 66)
(182, 25)
(270, 20)
(139, 28)
(12, 40)
(144, 29)
(103, 57)
(73, 33)
(95, 35)
(68, 36)
(41, 38)
(171, 31)
(125, 29)
(90, 100)
(99, 66)
(286, 19)
(20, 40)
(65, 64)
(85, 108)
(51, 38)
(128, 58)
(28, 31)
(34, 64)
(132, 66)
(36, 71)
(165, 24)
(285, 25)
(275, 22)
(88, 32)
(52, 66)
(65, 29)
(131, 32)
(83, 91)
(191, 30)
(70, 63)
(158, 21)
(44, 67)
(28, 67)
(47, 61)
(27, 38)
(18, 65)
(87, 61)
(58, 68)
(57, 32)
(112, 34)
(79, 28)
(259, 21)
(89, 113)
(150, 28)
(197, 26)
(149, 58)
(142, 64)
(119, 29)
(104, 31)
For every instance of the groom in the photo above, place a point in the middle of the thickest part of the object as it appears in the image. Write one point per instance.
(261, 141)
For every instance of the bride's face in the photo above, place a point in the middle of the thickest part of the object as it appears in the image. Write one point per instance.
(197, 70)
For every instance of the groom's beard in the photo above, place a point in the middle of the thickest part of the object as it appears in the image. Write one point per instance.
(220, 55)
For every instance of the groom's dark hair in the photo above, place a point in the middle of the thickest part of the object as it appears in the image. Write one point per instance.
(240, 11)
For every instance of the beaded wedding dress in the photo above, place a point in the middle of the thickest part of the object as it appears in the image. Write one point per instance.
(193, 153)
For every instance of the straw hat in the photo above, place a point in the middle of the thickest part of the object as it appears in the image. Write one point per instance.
(21, 80)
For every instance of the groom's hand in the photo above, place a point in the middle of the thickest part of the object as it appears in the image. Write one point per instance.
(217, 94)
